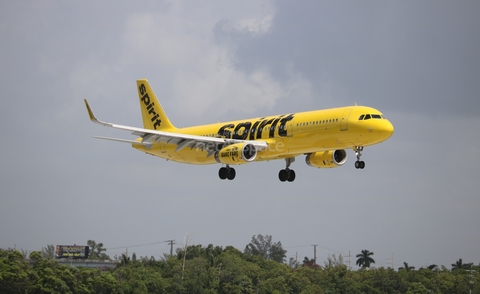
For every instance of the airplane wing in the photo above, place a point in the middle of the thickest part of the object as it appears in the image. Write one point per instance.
(181, 140)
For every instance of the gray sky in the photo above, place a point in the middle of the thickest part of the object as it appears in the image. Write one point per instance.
(417, 62)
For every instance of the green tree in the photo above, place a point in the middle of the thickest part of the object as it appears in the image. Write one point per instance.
(50, 277)
(406, 267)
(432, 267)
(460, 265)
(364, 260)
(97, 251)
(264, 247)
(124, 260)
(49, 251)
(14, 272)
(333, 261)
(310, 263)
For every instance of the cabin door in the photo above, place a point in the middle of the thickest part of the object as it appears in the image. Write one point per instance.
(344, 120)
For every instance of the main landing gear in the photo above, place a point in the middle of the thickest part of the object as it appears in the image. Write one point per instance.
(227, 173)
(359, 164)
(287, 174)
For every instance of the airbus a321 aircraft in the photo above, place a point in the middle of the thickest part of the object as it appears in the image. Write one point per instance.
(321, 135)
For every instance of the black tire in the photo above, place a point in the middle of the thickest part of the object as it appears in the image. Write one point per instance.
(362, 164)
(283, 175)
(291, 175)
(231, 174)
(223, 173)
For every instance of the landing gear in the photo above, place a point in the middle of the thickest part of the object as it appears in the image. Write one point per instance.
(287, 174)
(226, 173)
(359, 164)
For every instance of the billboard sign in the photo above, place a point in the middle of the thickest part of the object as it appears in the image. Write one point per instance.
(72, 251)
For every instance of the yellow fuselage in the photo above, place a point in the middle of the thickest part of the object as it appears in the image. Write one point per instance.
(287, 135)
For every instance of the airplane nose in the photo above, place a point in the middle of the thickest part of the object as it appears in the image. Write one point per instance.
(387, 129)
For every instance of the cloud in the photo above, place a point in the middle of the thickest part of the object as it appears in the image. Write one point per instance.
(202, 71)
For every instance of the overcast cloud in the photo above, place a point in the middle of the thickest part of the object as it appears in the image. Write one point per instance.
(208, 61)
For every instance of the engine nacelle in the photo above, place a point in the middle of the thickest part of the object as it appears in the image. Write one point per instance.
(238, 153)
(327, 159)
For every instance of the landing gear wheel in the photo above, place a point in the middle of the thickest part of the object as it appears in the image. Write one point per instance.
(286, 175)
(223, 173)
(359, 164)
(226, 173)
(231, 174)
(291, 175)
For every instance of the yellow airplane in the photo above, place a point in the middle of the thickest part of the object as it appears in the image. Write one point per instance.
(322, 135)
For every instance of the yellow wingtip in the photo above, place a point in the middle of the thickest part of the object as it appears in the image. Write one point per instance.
(90, 112)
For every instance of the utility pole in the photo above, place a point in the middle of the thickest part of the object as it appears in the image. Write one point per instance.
(171, 242)
(393, 255)
(349, 259)
(471, 272)
(315, 253)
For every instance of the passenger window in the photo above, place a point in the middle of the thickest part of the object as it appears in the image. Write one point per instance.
(367, 116)
(361, 117)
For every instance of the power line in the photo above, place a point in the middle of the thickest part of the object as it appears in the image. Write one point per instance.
(323, 247)
(138, 245)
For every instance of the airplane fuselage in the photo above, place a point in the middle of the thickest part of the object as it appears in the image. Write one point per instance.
(287, 135)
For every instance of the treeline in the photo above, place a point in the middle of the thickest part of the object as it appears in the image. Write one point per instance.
(221, 270)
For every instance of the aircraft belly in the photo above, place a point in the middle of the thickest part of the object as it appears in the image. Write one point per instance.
(312, 144)
(186, 155)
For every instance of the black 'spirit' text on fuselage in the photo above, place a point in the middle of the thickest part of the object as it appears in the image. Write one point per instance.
(252, 131)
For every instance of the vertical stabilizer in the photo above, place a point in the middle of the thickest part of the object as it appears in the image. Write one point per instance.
(154, 118)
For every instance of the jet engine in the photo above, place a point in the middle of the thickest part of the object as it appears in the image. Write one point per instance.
(327, 159)
(238, 153)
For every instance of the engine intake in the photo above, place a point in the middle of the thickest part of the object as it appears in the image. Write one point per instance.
(327, 159)
(239, 153)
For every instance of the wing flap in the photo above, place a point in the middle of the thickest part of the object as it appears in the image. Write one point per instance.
(124, 141)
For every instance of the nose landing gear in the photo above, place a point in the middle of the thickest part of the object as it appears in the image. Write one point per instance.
(358, 151)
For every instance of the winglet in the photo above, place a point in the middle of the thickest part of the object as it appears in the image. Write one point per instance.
(92, 116)
(90, 112)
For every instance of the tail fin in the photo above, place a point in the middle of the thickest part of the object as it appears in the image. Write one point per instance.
(154, 118)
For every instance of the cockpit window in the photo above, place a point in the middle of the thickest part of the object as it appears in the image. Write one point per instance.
(370, 116)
